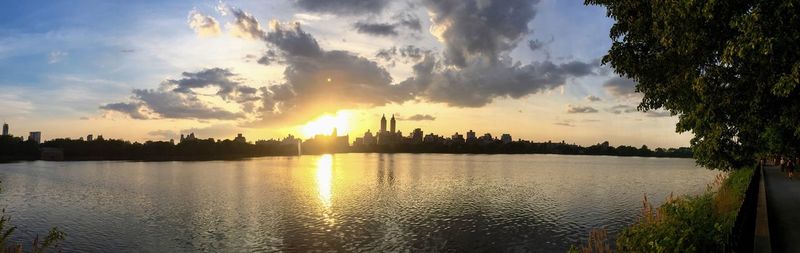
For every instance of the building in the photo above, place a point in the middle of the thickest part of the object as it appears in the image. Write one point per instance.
(506, 138)
(290, 140)
(368, 139)
(486, 138)
(432, 138)
(328, 143)
(100, 137)
(471, 136)
(457, 138)
(189, 137)
(5, 129)
(416, 136)
(393, 124)
(392, 136)
(90, 137)
(35, 137)
(383, 124)
(240, 138)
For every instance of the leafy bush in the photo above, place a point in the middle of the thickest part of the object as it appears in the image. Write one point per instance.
(690, 223)
(699, 223)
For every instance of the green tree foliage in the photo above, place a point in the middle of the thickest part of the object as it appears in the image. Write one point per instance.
(729, 69)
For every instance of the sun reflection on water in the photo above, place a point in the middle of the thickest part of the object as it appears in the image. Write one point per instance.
(325, 186)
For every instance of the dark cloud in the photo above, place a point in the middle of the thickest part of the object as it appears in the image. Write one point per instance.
(480, 82)
(620, 87)
(169, 104)
(621, 108)
(244, 25)
(409, 21)
(268, 58)
(412, 52)
(420, 117)
(476, 68)
(473, 70)
(318, 81)
(580, 109)
(292, 40)
(387, 54)
(535, 44)
(479, 29)
(408, 52)
(176, 98)
(657, 114)
(617, 109)
(592, 98)
(214, 77)
(134, 110)
(343, 7)
(567, 123)
(378, 29)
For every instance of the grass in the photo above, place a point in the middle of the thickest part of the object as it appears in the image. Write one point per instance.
(700, 223)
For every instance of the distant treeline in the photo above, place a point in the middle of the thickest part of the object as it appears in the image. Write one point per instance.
(526, 147)
(14, 148)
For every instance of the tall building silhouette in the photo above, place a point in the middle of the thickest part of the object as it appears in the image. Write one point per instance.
(471, 136)
(35, 137)
(383, 124)
(417, 135)
(393, 124)
(5, 129)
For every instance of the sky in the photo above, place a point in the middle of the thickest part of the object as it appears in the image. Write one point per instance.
(152, 70)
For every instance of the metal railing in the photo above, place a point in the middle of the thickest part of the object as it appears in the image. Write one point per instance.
(743, 232)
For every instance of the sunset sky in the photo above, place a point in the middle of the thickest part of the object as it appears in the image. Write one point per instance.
(142, 70)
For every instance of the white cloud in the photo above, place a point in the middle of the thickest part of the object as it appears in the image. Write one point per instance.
(56, 56)
(203, 25)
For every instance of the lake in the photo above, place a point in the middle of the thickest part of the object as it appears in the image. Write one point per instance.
(342, 202)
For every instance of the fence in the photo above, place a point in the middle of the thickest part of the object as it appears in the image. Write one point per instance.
(743, 232)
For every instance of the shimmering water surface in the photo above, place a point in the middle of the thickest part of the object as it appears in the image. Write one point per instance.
(343, 202)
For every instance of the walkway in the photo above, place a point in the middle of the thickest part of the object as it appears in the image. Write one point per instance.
(783, 207)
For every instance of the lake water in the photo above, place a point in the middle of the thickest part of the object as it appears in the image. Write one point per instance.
(342, 202)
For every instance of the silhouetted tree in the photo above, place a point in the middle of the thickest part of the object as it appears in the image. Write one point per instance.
(729, 69)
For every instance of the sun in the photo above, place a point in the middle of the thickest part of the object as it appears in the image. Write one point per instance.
(326, 123)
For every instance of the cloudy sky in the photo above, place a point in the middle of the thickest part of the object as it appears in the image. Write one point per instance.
(153, 69)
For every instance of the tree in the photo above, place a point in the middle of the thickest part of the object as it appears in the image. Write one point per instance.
(729, 69)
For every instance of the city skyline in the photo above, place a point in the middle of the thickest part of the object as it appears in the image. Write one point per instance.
(368, 138)
(126, 78)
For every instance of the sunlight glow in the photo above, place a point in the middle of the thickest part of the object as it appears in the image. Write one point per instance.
(324, 177)
(326, 123)
(324, 180)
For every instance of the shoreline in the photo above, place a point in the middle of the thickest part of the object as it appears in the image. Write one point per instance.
(240, 158)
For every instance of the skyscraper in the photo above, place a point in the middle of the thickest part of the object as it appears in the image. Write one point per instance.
(393, 124)
(417, 135)
(5, 129)
(471, 136)
(383, 124)
(35, 137)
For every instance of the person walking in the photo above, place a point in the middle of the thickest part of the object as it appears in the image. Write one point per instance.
(782, 164)
(790, 168)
